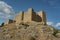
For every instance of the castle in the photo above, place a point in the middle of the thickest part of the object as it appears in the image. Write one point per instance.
(28, 16)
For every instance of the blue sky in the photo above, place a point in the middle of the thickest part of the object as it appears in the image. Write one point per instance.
(51, 7)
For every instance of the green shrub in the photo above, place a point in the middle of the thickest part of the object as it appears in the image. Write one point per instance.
(55, 32)
(24, 24)
(2, 25)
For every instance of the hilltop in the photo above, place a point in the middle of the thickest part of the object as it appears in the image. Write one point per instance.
(28, 31)
(28, 25)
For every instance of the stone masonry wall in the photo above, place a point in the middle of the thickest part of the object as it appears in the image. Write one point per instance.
(30, 16)
(8, 21)
(43, 16)
(19, 17)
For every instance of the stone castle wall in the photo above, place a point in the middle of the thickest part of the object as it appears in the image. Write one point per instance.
(30, 16)
(43, 16)
(8, 21)
(19, 17)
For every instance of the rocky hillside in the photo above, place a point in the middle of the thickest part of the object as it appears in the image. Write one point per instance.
(28, 31)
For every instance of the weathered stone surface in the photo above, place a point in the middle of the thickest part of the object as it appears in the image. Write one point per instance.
(27, 31)
(58, 35)
(28, 26)
(30, 16)
(8, 21)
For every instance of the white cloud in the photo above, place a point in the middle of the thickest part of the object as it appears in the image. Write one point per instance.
(5, 10)
(55, 25)
(50, 23)
(58, 24)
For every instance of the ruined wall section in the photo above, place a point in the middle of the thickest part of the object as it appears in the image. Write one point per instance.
(43, 16)
(34, 17)
(25, 17)
(9, 21)
(6, 22)
(28, 15)
(19, 17)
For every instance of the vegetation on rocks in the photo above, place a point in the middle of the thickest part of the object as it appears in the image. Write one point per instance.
(25, 31)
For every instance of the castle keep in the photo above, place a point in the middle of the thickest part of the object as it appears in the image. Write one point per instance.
(30, 16)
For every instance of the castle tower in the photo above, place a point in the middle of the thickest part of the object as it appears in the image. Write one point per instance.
(28, 15)
(43, 16)
(19, 17)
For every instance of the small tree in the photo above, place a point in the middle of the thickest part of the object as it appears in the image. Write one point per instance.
(55, 32)
(2, 25)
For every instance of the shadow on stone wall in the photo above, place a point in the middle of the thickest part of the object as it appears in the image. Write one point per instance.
(36, 18)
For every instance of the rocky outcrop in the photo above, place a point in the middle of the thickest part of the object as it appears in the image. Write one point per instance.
(27, 31)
